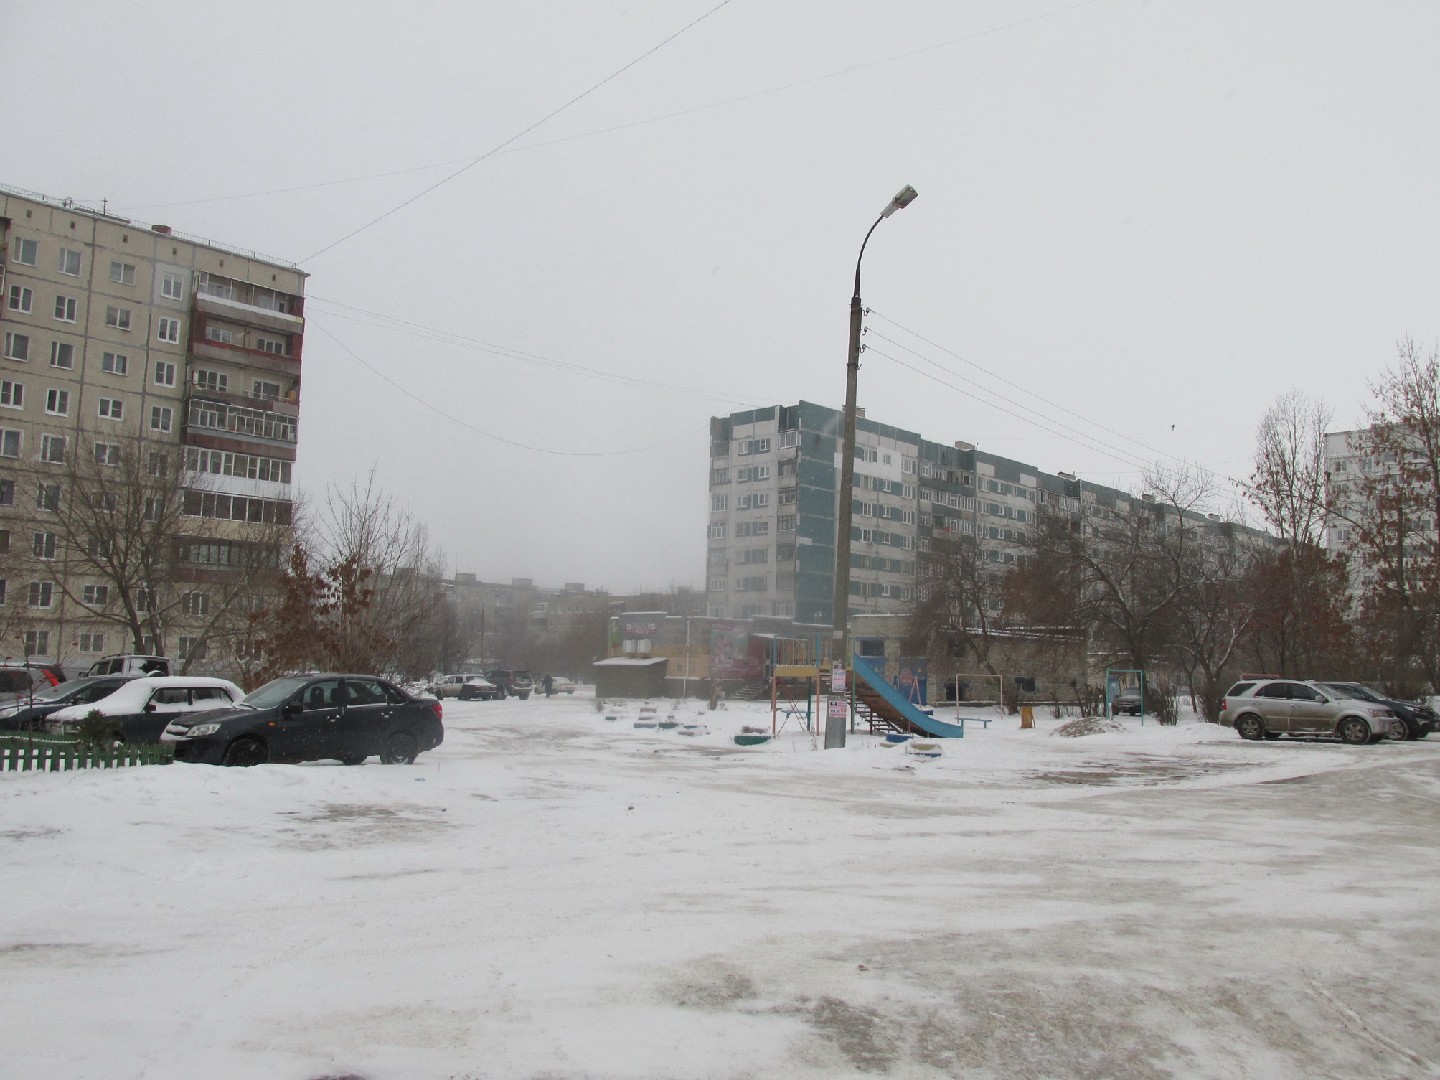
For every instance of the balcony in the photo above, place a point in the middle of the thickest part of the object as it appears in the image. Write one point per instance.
(223, 353)
(249, 314)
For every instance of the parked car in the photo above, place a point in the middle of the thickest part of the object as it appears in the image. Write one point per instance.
(1127, 701)
(466, 688)
(27, 713)
(1416, 720)
(310, 718)
(21, 678)
(140, 710)
(1269, 708)
(559, 684)
(513, 681)
(130, 664)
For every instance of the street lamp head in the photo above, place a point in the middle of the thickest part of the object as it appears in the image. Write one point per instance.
(903, 198)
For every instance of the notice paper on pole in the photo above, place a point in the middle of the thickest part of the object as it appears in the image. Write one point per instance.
(838, 709)
(837, 679)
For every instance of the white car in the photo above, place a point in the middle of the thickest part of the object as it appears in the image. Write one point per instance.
(139, 710)
(466, 688)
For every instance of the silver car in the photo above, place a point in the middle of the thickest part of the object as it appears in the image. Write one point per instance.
(1269, 708)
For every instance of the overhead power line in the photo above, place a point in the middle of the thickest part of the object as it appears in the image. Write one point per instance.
(628, 125)
(518, 135)
(414, 329)
(310, 319)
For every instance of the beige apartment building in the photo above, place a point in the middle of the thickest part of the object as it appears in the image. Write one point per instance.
(125, 342)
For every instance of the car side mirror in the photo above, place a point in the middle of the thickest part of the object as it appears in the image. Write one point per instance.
(1324, 700)
(291, 710)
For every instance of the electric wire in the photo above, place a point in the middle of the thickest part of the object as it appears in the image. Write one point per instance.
(391, 322)
(629, 125)
(1093, 442)
(518, 135)
(481, 431)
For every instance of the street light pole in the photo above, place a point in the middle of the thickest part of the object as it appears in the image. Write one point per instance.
(835, 728)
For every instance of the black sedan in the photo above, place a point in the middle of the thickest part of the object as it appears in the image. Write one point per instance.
(26, 713)
(1417, 720)
(347, 718)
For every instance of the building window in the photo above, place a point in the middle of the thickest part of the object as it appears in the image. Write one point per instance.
(117, 317)
(222, 334)
(717, 584)
(164, 373)
(62, 355)
(785, 523)
(755, 501)
(158, 464)
(37, 642)
(115, 363)
(7, 498)
(25, 252)
(752, 446)
(752, 473)
(12, 394)
(44, 544)
(65, 307)
(95, 595)
(52, 449)
(789, 439)
(267, 391)
(21, 298)
(717, 476)
(111, 409)
(167, 329)
(718, 503)
(47, 497)
(69, 262)
(107, 453)
(277, 347)
(192, 648)
(717, 530)
(161, 417)
(42, 594)
(196, 603)
(172, 286)
(57, 402)
(10, 443)
(122, 272)
(17, 346)
(212, 380)
(92, 643)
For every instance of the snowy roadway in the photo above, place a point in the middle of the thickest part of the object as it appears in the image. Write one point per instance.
(553, 895)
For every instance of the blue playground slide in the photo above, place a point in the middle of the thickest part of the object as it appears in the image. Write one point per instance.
(918, 718)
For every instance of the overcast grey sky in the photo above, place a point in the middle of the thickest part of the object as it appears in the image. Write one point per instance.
(1147, 213)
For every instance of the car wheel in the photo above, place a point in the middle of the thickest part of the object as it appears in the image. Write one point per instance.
(246, 751)
(353, 759)
(525, 697)
(400, 749)
(1354, 731)
(1399, 732)
(1250, 726)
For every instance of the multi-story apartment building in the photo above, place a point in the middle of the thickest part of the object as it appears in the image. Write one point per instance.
(125, 338)
(774, 474)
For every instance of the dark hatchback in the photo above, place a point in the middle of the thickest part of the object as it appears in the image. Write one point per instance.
(347, 718)
(1417, 720)
(27, 712)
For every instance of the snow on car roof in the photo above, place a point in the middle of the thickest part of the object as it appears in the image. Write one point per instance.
(131, 696)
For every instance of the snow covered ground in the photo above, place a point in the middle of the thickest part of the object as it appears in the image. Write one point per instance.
(554, 895)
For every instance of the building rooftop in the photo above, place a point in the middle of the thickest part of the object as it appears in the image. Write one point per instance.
(72, 206)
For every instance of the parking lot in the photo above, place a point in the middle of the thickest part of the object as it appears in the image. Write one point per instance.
(554, 894)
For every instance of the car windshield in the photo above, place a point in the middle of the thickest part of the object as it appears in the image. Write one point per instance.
(1355, 690)
(274, 692)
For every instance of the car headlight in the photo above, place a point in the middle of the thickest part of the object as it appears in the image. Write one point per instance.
(1385, 713)
(198, 730)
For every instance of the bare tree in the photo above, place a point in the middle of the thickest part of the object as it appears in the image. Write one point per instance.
(1397, 516)
(1288, 479)
(960, 600)
(362, 591)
